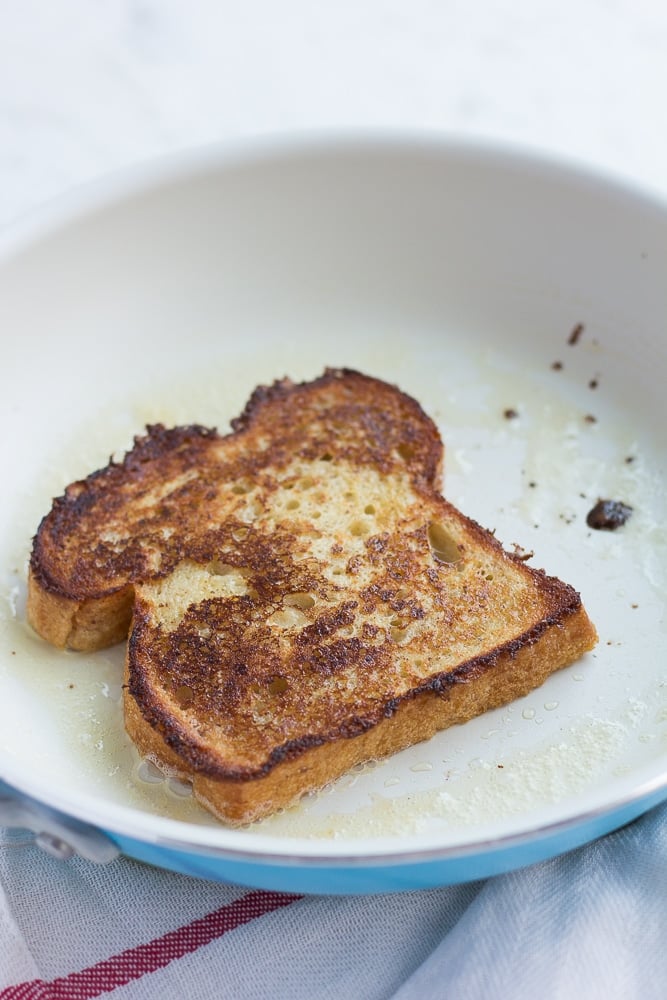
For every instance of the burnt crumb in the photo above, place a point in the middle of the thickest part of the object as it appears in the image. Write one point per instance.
(629, 459)
(634, 606)
(566, 518)
(557, 366)
(608, 515)
(594, 383)
(532, 484)
(590, 419)
(510, 413)
(575, 335)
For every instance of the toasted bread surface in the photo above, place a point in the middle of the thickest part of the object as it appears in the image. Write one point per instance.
(415, 718)
(134, 520)
(302, 596)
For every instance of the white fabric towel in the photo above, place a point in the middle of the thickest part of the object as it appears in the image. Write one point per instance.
(590, 924)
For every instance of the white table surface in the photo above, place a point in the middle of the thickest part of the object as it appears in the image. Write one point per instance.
(89, 87)
(86, 88)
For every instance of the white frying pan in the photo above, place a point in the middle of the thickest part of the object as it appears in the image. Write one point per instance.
(459, 272)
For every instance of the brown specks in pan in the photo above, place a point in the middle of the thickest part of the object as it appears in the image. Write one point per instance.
(575, 335)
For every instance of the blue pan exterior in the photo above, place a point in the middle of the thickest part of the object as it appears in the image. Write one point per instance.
(399, 874)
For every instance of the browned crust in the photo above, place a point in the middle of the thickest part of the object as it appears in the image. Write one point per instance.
(567, 619)
(69, 569)
(421, 432)
(484, 684)
(85, 584)
(168, 451)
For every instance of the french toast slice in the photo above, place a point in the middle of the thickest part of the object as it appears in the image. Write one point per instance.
(302, 597)
(133, 521)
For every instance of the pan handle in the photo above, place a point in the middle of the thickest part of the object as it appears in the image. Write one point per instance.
(59, 835)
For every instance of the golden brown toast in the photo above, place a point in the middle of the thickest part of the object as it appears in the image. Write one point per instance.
(303, 598)
(134, 521)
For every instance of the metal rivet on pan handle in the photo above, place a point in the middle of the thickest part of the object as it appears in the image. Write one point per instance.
(60, 836)
(54, 846)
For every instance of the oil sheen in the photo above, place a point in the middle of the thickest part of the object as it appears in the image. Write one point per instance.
(550, 446)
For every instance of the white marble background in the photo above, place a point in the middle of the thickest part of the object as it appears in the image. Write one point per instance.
(88, 86)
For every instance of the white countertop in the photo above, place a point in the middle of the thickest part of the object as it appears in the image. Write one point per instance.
(89, 88)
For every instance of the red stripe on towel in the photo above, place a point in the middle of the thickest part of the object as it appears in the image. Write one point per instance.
(145, 958)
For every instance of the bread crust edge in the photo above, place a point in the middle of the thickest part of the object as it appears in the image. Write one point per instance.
(511, 674)
(84, 625)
